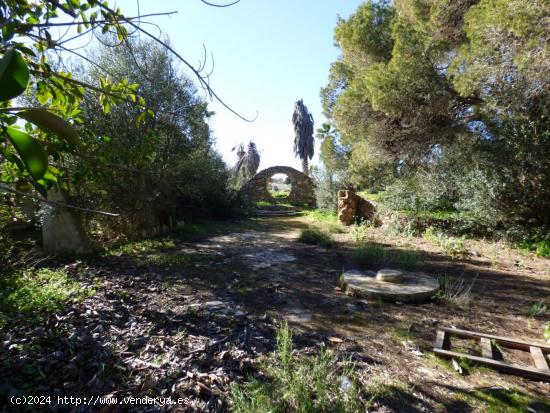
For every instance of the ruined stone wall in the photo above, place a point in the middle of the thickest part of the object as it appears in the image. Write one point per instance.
(352, 207)
(302, 192)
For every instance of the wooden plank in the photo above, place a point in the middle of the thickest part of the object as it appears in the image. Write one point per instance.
(539, 359)
(529, 372)
(486, 347)
(504, 341)
(441, 340)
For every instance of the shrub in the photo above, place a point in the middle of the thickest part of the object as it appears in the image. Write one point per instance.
(326, 190)
(293, 383)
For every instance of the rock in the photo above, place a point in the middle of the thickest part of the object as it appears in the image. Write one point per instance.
(352, 207)
(412, 287)
(389, 275)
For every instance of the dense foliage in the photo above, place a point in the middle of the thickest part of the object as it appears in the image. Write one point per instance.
(120, 130)
(29, 62)
(167, 159)
(447, 99)
(332, 175)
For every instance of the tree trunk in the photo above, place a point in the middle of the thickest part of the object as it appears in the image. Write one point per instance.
(305, 166)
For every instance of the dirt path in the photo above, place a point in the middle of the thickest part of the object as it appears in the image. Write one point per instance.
(189, 318)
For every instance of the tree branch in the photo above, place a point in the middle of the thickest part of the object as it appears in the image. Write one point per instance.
(62, 204)
(75, 23)
(202, 79)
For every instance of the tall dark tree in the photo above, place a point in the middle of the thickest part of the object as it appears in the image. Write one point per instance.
(419, 79)
(304, 146)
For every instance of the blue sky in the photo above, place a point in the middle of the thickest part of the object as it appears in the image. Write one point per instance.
(267, 55)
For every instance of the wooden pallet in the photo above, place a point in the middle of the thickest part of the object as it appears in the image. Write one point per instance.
(540, 371)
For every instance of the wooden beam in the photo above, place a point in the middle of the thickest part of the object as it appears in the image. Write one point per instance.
(504, 341)
(539, 359)
(486, 347)
(441, 340)
(529, 372)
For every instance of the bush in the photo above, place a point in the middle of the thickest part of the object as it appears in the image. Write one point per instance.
(303, 384)
(160, 171)
(327, 186)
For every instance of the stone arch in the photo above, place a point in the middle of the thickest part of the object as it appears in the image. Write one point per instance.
(302, 192)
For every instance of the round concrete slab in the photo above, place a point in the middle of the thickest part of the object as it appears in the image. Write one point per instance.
(413, 287)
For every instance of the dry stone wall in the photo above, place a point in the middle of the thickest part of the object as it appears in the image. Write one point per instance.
(302, 192)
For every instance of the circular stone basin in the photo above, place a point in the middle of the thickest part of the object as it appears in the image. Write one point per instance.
(411, 287)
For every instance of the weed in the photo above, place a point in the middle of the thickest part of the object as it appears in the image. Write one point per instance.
(275, 203)
(322, 383)
(456, 292)
(32, 293)
(540, 248)
(332, 228)
(147, 246)
(451, 245)
(535, 309)
(279, 194)
(406, 228)
(341, 282)
(321, 216)
(327, 222)
(547, 332)
(499, 400)
(400, 333)
(376, 256)
(359, 231)
(168, 259)
(443, 363)
(315, 236)
(494, 255)
(497, 347)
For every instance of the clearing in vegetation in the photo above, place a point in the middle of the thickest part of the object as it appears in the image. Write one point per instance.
(204, 316)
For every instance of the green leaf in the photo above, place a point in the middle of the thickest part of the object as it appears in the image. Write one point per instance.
(53, 123)
(14, 75)
(31, 152)
(50, 177)
(7, 32)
